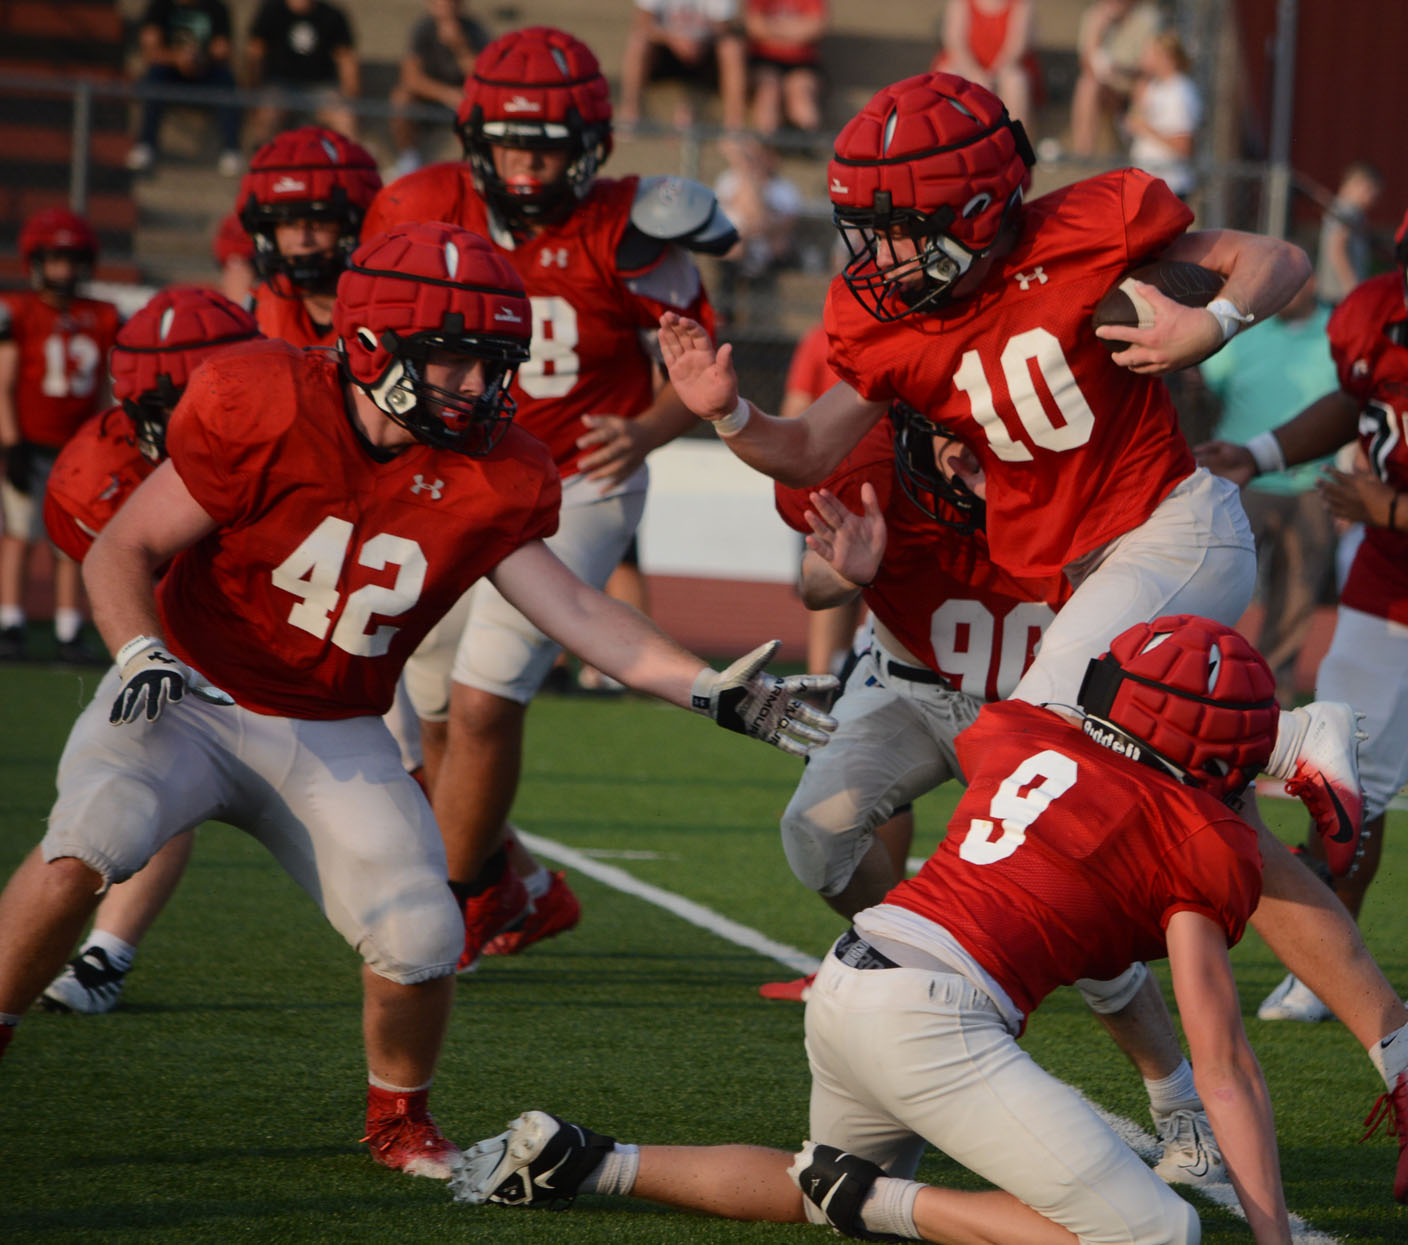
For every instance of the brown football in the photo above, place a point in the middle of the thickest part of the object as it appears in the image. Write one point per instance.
(1189, 284)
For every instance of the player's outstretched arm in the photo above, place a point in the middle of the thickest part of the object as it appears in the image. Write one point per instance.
(160, 519)
(628, 646)
(844, 549)
(1228, 1076)
(1326, 424)
(798, 452)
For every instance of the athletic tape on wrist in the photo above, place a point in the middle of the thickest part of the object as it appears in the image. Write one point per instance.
(1232, 320)
(1267, 451)
(133, 647)
(734, 422)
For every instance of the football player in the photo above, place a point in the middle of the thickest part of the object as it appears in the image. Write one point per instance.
(1092, 834)
(973, 307)
(319, 511)
(1369, 342)
(53, 357)
(302, 203)
(152, 360)
(601, 260)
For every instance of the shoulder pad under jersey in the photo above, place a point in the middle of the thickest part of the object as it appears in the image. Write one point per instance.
(675, 209)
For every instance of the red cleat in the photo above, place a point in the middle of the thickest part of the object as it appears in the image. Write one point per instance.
(788, 991)
(488, 914)
(1393, 1107)
(1326, 780)
(403, 1136)
(554, 912)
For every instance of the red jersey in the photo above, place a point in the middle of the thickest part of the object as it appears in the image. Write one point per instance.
(1065, 860)
(63, 358)
(936, 590)
(1365, 331)
(809, 372)
(1077, 450)
(288, 320)
(93, 475)
(587, 353)
(786, 53)
(328, 566)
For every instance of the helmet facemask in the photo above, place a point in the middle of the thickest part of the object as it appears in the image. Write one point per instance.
(149, 413)
(946, 500)
(315, 272)
(81, 269)
(524, 202)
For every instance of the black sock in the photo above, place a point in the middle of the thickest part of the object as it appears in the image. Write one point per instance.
(488, 876)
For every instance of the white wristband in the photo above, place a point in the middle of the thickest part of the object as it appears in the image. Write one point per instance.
(133, 647)
(1267, 451)
(736, 420)
(1232, 320)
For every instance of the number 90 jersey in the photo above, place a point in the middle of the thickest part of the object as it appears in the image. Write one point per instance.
(328, 566)
(63, 359)
(1065, 860)
(936, 590)
(1373, 369)
(586, 357)
(1077, 450)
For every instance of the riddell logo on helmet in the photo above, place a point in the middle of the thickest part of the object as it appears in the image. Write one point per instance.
(521, 103)
(838, 189)
(1109, 739)
(288, 185)
(508, 315)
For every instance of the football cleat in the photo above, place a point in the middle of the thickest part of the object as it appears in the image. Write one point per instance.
(540, 1162)
(554, 912)
(837, 1183)
(1326, 779)
(14, 643)
(1191, 1153)
(1293, 1000)
(795, 991)
(1393, 1108)
(405, 1138)
(486, 915)
(89, 985)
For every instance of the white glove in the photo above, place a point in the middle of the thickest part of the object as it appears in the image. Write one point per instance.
(746, 700)
(151, 677)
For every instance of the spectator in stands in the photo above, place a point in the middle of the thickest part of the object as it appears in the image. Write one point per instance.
(990, 42)
(305, 46)
(1164, 113)
(186, 43)
(1342, 260)
(1111, 40)
(439, 58)
(762, 204)
(784, 55)
(1261, 380)
(696, 41)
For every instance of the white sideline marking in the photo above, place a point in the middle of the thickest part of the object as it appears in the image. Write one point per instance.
(610, 853)
(1143, 1143)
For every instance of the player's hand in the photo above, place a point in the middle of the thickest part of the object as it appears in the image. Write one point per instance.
(1355, 496)
(152, 678)
(617, 448)
(703, 378)
(1223, 458)
(745, 699)
(851, 544)
(1179, 336)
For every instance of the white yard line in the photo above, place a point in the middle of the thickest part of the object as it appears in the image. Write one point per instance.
(696, 914)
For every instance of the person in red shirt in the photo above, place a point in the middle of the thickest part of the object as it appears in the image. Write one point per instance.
(601, 259)
(1369, 342)
(1091, 835)
(784, 57)
(319, 511)
(990, 42)
(53, 358)
(302, 203)
(152, 359)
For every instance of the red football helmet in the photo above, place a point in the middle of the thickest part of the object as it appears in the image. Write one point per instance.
(57, 231)
(947, 500)
(536, 88)
(934, 159)
(311, 173)
(1187, 695)
(428, 286)
(161, 345)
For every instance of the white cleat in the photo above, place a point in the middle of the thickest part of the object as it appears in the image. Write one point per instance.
(1326, 778)
(1191, 1153)
(1293, 1000)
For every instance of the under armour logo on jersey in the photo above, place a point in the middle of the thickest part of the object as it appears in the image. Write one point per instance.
(1025, 279)
(550, 256)
(422, 485)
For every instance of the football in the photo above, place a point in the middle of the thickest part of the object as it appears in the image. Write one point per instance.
(1189, 284)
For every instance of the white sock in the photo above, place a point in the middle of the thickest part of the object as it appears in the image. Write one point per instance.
(11, 616)
(1390, 1056)
(538, 883)
(1290, 735)
(616, 1173)
(66, 625)
(1175, 1092)
(120, 954)
(888, 1208)
(378, 1083)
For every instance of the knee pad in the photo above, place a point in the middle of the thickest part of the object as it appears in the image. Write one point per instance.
(1107, 997)
(415, 937)
(823, 858)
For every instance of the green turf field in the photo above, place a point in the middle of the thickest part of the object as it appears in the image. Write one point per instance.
(223, 1099)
